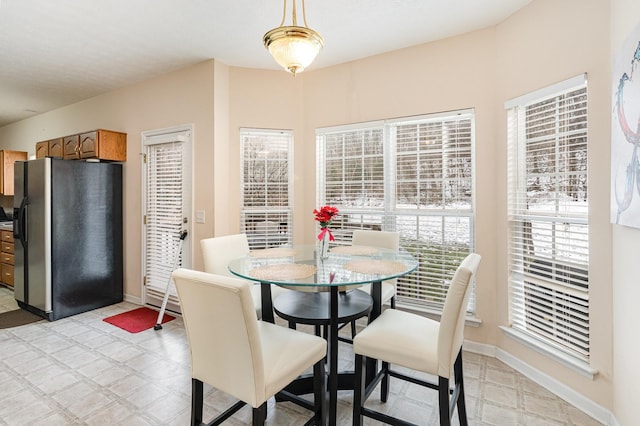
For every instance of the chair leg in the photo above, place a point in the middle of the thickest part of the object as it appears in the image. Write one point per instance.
(319, 392)
(260, 415)
(443, 400)
(196, 402)
(393, 302)
(459, 381)
(384, 386)
(359, 390)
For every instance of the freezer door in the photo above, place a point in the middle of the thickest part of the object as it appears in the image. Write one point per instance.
(38, 233)
(19, 253)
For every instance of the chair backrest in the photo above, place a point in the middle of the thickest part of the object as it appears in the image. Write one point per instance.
(453, 315)
(223, 333)
(384, 239)
(217, 252)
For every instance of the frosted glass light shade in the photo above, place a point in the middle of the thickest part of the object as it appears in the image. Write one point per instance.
(293, 47)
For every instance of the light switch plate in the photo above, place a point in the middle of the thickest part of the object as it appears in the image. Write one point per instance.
(200, 216)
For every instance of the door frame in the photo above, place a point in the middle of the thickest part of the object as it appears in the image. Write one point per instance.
(182, 133)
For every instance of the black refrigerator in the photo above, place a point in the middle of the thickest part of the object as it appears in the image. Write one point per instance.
(67, 226)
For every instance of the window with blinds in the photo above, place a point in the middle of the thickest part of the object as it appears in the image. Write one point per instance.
(547, 212)
(414, 176)
(266, 212)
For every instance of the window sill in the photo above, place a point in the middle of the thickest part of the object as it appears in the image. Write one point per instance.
(553, 353)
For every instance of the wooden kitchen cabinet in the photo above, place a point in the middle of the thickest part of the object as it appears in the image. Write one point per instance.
(70, 147)
(7, 158)
(52, 148)
(99, 144)
(6, 257)
(56, 148)
(42, 149)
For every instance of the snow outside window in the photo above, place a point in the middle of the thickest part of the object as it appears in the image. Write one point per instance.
(414, 176)
(267, 185)
(547, 213)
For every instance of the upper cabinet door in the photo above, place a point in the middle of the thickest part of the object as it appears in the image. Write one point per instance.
(70, 146)
(56, 148)
(88, 146)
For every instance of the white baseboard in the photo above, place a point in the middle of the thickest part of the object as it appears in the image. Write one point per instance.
(574, 398)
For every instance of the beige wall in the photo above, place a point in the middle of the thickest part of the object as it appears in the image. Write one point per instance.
(452, 74)
(267, 100)
(625, 18)
(541, 45)
(182, 97)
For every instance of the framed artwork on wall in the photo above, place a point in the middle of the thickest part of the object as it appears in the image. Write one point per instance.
(625, 133)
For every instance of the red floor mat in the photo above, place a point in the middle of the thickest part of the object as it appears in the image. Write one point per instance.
(137, 320)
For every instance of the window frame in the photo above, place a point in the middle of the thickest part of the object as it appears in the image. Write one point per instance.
(267, 225)
(548, 277)
(388, 216)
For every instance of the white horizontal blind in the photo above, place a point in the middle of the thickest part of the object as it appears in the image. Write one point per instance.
(266, 212)
(548, 207)
(353, 179)
(434, 202)
(164, 214)
(413, 176)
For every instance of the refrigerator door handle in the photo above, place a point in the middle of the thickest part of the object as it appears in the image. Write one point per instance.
(20, 228)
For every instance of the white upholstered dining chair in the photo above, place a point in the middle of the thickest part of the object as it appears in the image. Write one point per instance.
(217, 252)
(383, 239)
(235, 353)
(421, 344)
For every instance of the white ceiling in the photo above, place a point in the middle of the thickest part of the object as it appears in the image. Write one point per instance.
(57, 52)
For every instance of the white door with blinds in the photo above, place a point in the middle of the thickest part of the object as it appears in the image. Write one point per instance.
(167, 211)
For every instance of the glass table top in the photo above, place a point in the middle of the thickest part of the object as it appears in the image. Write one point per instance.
(301, 265)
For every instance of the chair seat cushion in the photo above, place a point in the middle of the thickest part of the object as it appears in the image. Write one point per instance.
(287, 354)
(388, 291)
(401, 338)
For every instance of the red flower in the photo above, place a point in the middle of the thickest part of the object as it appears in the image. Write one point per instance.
(325, 215)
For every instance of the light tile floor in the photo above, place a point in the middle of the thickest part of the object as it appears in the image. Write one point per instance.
(81, 370)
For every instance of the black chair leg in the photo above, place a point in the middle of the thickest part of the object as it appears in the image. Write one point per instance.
(393, 302)
(319, 392)
(443, 401)
(359, 390)
(196, 402)
(459, 381)
(384, 386)
(260, 415)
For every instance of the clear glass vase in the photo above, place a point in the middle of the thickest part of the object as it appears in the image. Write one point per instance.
(324, 243)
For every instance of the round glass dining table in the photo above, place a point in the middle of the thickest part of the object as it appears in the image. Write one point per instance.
(299, 267)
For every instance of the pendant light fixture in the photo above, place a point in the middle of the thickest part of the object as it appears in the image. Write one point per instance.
(293, 47)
